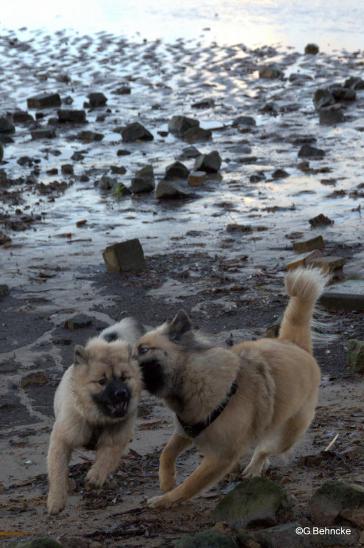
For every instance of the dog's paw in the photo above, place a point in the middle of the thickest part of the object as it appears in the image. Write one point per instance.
(56, 503)
(94, 478)
(159, 502)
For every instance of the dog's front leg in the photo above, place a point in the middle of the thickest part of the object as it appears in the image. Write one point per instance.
(107, 460)
(167, 461)
(59, 454)
(208, 472)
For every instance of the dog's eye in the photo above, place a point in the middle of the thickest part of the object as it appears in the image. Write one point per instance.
(102, 381)
(142, 349)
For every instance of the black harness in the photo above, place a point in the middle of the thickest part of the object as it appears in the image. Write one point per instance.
(193, 430)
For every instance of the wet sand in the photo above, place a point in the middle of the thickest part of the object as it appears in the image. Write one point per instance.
(232, 282)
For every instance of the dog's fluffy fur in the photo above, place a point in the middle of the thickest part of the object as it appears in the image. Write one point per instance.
(95, 407)
(277, 379)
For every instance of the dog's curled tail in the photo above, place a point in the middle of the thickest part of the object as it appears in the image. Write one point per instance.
(304, 286)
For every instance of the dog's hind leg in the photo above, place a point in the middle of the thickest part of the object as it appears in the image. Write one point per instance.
(210, 470)
(281, 442)
(167, 462)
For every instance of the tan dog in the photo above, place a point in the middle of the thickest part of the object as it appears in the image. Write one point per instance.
(95, 407)
(260, 393)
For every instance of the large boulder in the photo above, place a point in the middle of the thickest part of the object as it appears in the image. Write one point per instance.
(254, 500)
(335, 500)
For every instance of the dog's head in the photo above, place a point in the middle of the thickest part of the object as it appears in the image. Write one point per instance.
(160, 354)
(106, 381)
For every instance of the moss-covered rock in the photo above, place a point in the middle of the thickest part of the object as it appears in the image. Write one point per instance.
(206, 539)
(333, 499)
(255, 500)
(44, 542)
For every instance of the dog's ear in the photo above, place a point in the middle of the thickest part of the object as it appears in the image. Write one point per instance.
(180, 325)
(80, 356)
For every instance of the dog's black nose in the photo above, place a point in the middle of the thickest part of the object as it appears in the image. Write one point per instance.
(122, 392)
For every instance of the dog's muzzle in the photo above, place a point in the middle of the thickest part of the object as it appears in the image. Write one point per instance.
(114, 400)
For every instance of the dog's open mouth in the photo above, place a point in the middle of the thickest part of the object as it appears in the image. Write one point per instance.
(117, 408)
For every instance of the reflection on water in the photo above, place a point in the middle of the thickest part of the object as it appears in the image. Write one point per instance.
(333, 24)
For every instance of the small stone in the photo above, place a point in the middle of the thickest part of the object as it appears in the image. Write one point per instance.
(178, 125)
(136, 132)
(280, 174)
(196, 178)
(97, 99)
(123, 152)
(143, 180)
(196, 134)
(348, 295)
(255, 500)
(1, 152)
(88, 136)
(323, 98)
(257, 177)
(312, 49)
(67, 169)
(107, 183)
(245, 121)
(332, 498)
(46, 100)
(177, 170)
(270, 72)
(327, 264)
(235, 227)
(81, 223)
(123, 90)
(38, 378)
(118, 170)
(356, 355)
(330, 116)
(302, 260)
(170, 189)
(354, 82)
(43, 133)
(206, 539)
(4, 290)
(210, 163)
(79, 321)
(280, 536)
(21, 117)
(309, 245)
(188, 153)
(341, 93)
(205, 103)
(307, 151)
(320, 220)
(71, 116)
(125, 256)
(119, 190)
(4, 238)
(6, 124)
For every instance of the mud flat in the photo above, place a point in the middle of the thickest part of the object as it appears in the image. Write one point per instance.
(85, 120)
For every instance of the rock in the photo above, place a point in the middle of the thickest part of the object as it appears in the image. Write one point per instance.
(279, 536)
(196, 178)
(136, 132)
(177, 170)
(206, 539)
(21, 117)
(118, 170)
(46, 100)
(123, 90)
(257, 177)
(36, 378)
(67, 169)
(341, 93)
(79, 321)
(354, 82)
(269, 108)
(107, 183)
(188, 153)
(44, 542)
(333, 498)
(1, 152)
(280, 174)
(196, 134)
(4, 290)
(330, 116)
(210, 163)
(43, 133)
(170, 189)
(270, 72)
(81, 223)
(178, 125)
(205, 103)
(4, 238)
(320, 220)
(323, 98)
(143, 180)
(125, 256)
(312, 49)
(303, 260)
(71, 116)
(88, 136)
(245, 121)
(327, 264)
(97, 99)
(123, 152)
(255, 500)
(348, 295)
(235, 227)
(307, 151)
(6, 124)
(308, 245)
(119, 190)
(356, 355)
